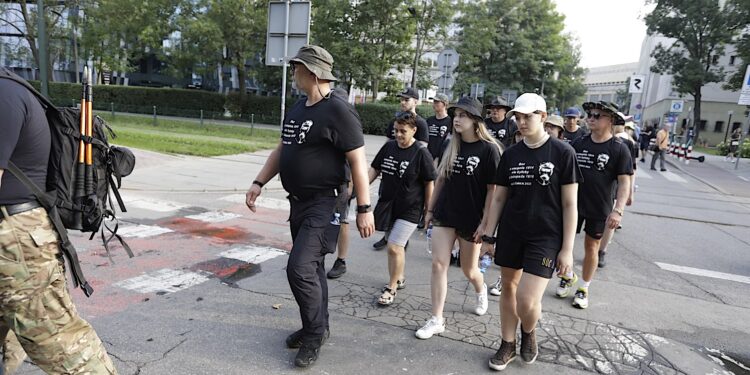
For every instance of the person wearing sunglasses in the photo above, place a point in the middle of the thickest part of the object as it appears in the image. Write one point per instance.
(408, 100)
(535, 206)
(408, 176)
(458, 207)
(605, 161)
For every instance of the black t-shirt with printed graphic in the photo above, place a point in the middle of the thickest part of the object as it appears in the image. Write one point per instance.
(421, 135)
(404, 172)
(502, 131)
(314, 141)
(534, 178)
(461, 201)
(600, 164)
(572, 136)
(438, 130)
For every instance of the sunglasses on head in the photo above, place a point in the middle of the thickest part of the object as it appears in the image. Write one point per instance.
(596, 116)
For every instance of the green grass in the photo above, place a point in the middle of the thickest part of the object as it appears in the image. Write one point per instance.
(707, 150)
(189, 138)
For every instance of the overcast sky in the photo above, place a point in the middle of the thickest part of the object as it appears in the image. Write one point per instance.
(609, 31)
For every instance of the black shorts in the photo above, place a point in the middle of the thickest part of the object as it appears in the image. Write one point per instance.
(536, 258)
(594, 228)
(343, 202)
(462, 233)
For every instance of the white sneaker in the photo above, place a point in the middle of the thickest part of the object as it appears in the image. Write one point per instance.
(433, 326)
(481, 308)
(566, 285)
(581, 299)
(496, 288)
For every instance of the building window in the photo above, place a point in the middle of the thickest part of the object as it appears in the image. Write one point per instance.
(714, 59)
(736, 125)
(732, 59)
(607, 97)
(719, 126)
(702, 125)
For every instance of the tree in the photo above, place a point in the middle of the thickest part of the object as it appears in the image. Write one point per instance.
(332, 27)
(518, 45)
(22, 18)
(742, 44)
(700, 30)
(434, 17)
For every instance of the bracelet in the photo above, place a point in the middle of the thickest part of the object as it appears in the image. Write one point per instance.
(489, 239)
(619, 211)
(363, 208)
(256, 182)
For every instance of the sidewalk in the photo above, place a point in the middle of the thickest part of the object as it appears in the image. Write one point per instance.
(717, 173)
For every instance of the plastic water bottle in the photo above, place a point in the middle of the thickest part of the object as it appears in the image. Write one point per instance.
(336, 219)
(485, 263)
(429, 239)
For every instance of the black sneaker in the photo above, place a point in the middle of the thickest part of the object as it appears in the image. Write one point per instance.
(306, 356)
(294, 340)
(380, 244)
(602, 263)
(529, 349)
(338, 269)
(506, 354)
(406, 247)
(663, 169)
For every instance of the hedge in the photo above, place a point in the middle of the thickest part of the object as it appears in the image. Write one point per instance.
(744, 150)
(189, 103)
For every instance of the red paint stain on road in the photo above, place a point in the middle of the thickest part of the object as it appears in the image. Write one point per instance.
(226, 269)
(201, 229)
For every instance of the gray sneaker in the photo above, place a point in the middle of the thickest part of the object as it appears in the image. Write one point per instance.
(529, 349)
(506, 354)
(338, 269)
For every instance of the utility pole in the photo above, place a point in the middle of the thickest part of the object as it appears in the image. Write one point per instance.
(42, 45)
(418, 47)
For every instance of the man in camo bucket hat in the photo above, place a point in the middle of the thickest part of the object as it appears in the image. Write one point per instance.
(317, 60)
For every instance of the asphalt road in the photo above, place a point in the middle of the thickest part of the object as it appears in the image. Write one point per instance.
(207, 293)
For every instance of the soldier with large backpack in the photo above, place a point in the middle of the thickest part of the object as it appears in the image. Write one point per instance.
(36, 311)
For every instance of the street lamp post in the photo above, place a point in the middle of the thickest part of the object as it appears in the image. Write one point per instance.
(413, 12)
(544, 64)
(729, 123)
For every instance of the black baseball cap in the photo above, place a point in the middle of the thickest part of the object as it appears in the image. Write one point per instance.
(409, 92)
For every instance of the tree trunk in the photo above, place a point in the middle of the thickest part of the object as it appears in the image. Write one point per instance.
(375, 86)
(697, 111)
(241, 73)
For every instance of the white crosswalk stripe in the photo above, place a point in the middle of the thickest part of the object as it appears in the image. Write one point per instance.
(702, 272)
(673, 177)
(253, 254)
(214, 216)
(142, 231)
(152, 204)
(264, 202)
(163, 280)
(643, 174)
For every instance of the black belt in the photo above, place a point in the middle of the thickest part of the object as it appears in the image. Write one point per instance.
(14, 209)
(313, 194)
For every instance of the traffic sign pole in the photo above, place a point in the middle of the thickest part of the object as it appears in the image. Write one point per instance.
(284, 65)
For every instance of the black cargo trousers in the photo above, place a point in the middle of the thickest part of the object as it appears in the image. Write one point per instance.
(313, 237)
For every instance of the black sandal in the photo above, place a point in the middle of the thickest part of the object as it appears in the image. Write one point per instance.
(388, 296)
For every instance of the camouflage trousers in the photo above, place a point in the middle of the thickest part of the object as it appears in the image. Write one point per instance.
(37, 315)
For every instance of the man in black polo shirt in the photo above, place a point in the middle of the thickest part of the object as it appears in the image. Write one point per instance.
(604, 161)
(409, 100)
(320, 134)
(34, 300)
(498, 125)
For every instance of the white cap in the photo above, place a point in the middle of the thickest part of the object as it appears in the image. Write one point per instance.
(528, 103)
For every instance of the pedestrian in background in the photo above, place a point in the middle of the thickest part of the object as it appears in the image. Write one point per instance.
(535, 205)
(498, 124)
(321, 133)
(553, 125)
(662, 143)
(645, 140)
(604, 161)
(37, 315)
(572, 131)
(439, 126)
(734, 145)
(408, 176)
(463, 193)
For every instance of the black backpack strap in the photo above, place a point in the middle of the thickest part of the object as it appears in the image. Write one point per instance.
(65, 245)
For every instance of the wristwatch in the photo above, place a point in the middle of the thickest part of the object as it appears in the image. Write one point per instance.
(363, 208)
(488, 239)
(618, 210)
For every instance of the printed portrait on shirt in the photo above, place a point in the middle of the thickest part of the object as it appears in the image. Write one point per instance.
(601, 161)
(303, 130)
(545, 172)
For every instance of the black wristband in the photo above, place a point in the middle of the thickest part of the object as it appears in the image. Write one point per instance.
(489, 240)
(256, 182)
(363, 209)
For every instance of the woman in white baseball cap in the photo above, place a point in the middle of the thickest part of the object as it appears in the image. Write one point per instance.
(535, 205)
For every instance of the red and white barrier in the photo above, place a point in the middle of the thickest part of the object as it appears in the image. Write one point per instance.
(689, 154)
